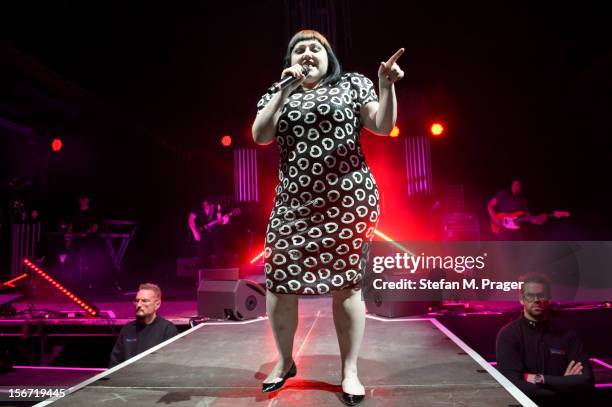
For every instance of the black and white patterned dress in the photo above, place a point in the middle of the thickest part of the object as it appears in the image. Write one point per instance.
(326, 205)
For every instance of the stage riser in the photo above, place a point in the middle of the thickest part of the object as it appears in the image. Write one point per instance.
(480, 330)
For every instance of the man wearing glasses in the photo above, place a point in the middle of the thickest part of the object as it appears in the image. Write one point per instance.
(148, 330)
(542, 358)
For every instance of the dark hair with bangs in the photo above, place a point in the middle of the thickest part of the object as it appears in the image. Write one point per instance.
(334, 70)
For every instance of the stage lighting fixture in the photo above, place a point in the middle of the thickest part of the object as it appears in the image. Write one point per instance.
(437, 129)
(259, 256)
(56, 145)
(10, 282)
(395, 132)
(81, 302)
(226, 140)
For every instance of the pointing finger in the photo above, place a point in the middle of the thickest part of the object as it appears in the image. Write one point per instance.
(394, 58)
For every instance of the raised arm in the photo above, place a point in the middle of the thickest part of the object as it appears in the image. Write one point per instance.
(192, 226)
(380, 116)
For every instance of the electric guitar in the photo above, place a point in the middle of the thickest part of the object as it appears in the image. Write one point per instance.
(208, 227)
(513, 220)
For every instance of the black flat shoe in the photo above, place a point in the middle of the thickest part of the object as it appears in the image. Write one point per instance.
(270, 387)
(352, 399)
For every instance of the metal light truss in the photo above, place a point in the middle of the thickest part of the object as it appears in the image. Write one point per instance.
(246, 188)
(418, 165)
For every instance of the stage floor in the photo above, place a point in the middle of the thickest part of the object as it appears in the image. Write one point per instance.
(403, 362)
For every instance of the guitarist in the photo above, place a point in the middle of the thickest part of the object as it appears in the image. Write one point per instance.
(209, 250)
(508, 201)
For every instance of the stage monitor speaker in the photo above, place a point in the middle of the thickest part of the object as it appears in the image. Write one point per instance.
(238, 300)
(253, 272)
(220, 274)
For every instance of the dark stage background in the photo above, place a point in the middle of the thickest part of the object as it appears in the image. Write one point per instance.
(141, 93)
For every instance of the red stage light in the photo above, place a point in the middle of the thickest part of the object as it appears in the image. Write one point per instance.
(91, 310)
(395, 132)
(10, 282)
(56, 144)
(437, 129)
(226, 140)
(259, 256)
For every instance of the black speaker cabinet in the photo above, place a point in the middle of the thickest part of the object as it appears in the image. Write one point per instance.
(238, 300)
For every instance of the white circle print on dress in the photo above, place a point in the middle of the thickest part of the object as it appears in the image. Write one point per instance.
(326, 257)
(331, 178)
(279, 259)
(283, 125)
(303, 163)
(279, 275)
(315, 233)
(323, 108)
(347, 218)
(313, 134)
(294, 269)
(328, 242)
(315, 151)
(324, 273)
(298, 131)
(297, 240)
(325, 126)
(304, 181)
(348, 201)
(318, 186)
(328, 143)
(312, 247)
(294, 115)
(317, 218)
(309, 277)
(282, 244)
(310, 118)
(294, 285)
(337, 280)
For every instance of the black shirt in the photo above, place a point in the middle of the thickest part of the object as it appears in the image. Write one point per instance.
(203, 219)
(507, 202)
(83, 220)
(545, 347)
(137, 337)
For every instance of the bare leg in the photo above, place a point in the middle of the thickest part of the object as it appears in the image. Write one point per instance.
(349, 319)
(283, 314)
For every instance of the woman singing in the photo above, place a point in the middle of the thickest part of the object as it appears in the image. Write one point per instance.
(326, 205)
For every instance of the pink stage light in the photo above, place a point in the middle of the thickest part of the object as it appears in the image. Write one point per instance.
(601, 362)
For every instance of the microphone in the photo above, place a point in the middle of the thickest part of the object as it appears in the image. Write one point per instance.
(287, 80)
